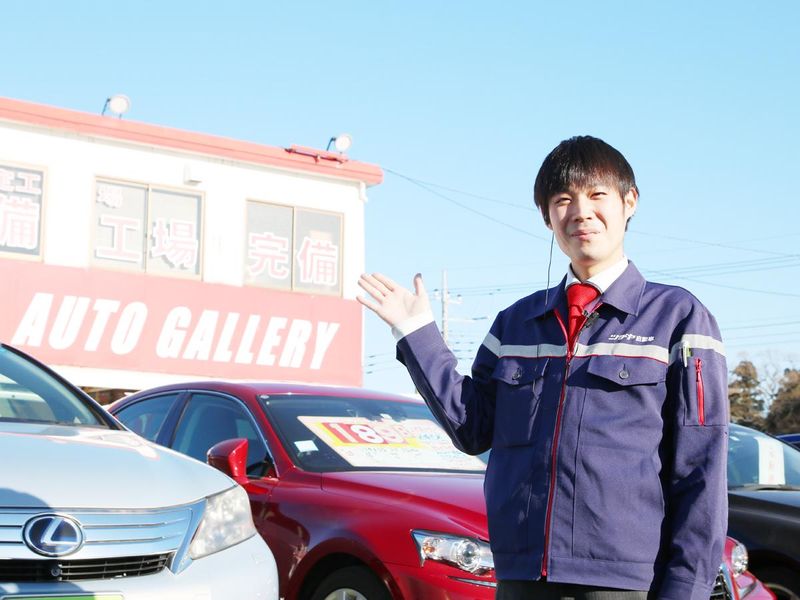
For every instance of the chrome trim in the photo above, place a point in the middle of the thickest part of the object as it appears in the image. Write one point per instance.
(491, 584)
(110, 533)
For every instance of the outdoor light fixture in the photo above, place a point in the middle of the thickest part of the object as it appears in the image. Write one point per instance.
(118, 104)
(341, 142)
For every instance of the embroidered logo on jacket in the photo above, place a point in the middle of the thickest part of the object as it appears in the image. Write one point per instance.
(630, 337)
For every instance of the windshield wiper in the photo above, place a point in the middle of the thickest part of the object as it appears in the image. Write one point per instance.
(767, 486)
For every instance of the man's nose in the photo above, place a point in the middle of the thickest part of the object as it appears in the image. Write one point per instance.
(581, 207)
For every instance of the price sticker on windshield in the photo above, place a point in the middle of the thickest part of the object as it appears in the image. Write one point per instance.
(771, 470)
(358, 431)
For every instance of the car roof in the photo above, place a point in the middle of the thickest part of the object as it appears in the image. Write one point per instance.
(269, 388)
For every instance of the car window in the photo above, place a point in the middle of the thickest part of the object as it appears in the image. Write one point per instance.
(756, 459)
(146, 417)
(29, 393)
(328, 433)
(209, 419)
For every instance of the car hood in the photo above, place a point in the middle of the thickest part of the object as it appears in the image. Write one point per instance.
(455, 497)
(58, 466)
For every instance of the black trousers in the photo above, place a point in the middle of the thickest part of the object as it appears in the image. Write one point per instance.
(545, 590)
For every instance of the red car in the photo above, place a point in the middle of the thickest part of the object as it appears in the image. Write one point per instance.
(360, 495)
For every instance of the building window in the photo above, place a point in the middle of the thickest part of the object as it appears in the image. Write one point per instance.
(21, 194)
(293, 248)
(145, 228)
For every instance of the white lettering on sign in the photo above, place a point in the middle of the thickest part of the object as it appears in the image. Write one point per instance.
(199, 346)
(325, 334)
(243, 355)
(104, 309)
(68, 322)
(108, 325)
(295, 346)
(33, 324)
(173, 332)
(129, 329)
(223, 352)
(271, 340)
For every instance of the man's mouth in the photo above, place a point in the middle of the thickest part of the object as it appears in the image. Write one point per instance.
(583, 234)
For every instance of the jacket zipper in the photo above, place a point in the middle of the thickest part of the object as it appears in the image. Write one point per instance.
(701, 409)
(559, 411)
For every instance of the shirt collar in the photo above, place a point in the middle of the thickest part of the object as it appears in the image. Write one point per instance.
(603, 280)
(625, 294)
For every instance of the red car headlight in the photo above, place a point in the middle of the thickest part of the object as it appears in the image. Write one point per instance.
(469, 554)
(739, 559)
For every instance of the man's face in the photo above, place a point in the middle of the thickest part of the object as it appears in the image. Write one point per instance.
(589, 225)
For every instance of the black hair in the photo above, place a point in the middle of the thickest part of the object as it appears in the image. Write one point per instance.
(579, 162)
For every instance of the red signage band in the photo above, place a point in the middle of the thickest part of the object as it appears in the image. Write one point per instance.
(107, 319)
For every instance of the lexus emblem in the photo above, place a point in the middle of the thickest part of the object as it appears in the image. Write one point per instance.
(53, 535)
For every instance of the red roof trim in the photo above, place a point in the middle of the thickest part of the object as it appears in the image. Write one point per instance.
(319, 162)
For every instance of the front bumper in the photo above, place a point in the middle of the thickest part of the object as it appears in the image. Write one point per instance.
(436, 581)
(246, 571)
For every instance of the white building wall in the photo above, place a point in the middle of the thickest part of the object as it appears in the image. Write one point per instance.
(73, 163)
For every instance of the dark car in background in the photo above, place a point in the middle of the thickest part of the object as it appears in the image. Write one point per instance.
(359, 494)
(764, 507)
(791, 438)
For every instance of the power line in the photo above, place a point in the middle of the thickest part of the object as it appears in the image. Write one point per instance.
(427, 185)
(464, 206)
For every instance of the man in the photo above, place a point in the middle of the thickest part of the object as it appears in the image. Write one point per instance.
(603, 400)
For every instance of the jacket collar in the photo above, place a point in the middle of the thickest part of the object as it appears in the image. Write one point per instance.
(624, 294)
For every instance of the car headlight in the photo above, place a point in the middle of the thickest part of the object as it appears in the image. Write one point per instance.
(739, 559)
(226, 521)
(471, 555)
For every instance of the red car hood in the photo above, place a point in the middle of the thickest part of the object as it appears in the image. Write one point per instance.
(455, 497)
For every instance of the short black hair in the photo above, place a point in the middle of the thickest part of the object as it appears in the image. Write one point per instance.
(577, 163)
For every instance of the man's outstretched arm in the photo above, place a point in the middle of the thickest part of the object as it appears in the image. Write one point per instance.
(464, 406)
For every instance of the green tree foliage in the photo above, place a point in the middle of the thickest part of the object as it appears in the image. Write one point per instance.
(784, 412)
(745, 397)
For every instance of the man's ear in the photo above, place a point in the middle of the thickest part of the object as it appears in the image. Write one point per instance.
(630, 202)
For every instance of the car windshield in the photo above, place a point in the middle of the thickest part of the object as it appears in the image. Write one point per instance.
(356, 434)
(30, 394)
(756, 460)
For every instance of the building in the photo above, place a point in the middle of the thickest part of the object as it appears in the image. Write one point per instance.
(133, 255)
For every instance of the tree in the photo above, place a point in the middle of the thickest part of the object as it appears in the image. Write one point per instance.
(784, 412)
(745, 397)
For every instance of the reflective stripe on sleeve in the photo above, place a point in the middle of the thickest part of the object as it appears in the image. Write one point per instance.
(696, 341)
(492, 344)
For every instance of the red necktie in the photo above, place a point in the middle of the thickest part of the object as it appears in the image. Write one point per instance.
(578, 296)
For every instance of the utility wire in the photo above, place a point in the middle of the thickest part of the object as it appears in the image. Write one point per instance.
(426, 185)
(464, 206)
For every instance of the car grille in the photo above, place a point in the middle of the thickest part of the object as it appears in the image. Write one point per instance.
(76, 570)
(116, 543)
(720, 590)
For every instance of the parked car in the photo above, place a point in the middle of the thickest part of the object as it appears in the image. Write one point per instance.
(791, 438)
(360, 494)
(90, 510)
(764, 507)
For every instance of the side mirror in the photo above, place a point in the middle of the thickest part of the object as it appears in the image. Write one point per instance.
(230, 457)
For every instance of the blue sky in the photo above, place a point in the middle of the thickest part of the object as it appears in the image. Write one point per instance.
(468, 97)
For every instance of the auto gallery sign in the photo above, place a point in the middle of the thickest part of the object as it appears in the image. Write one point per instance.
(105, 319)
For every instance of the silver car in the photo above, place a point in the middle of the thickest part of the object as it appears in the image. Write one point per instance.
(89, 510)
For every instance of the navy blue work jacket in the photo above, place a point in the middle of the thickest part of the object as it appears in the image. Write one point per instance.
(608, 462)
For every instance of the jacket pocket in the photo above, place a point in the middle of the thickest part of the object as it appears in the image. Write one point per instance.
(625, 372)
(624, 402)
(519, 383)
